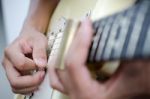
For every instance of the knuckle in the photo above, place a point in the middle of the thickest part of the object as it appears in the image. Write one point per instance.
(54, 85)
(13, 84)
(20, 65)
(22, 41)
(70, 65)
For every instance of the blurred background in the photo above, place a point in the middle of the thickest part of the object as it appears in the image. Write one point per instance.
(12, 15)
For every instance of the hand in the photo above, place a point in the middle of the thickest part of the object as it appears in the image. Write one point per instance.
(129, 82)
(26, 53)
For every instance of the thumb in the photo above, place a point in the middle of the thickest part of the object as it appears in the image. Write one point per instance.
(39, 53)
(77, 71)
(75, 62)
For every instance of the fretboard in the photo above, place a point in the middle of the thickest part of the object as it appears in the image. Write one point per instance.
(125, 35)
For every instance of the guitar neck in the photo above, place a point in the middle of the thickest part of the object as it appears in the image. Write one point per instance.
(122, 36)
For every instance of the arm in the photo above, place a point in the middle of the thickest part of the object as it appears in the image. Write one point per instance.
(25, 54)
(39, 14)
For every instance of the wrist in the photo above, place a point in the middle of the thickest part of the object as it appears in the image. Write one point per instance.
(28, 30)
(36, 25)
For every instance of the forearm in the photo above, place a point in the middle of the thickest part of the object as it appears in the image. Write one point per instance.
(39, 14)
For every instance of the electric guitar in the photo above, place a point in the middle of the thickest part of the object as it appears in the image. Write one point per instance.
(113, 40)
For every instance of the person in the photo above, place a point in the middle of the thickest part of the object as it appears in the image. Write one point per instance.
(131, 80)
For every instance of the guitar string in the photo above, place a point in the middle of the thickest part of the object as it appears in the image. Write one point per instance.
(98, 30)
(103, 39)
(124, 28)
(111, 37)
(53, 37)
(136, 30)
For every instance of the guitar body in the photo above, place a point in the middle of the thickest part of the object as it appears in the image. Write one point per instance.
(76, 10)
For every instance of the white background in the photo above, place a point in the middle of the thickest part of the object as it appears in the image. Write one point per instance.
(14, 13)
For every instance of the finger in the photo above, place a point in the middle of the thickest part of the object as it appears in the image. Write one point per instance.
(25, 90)
(17, 81)
(81, 42)
(75, 62)
(27, 65)
(18, 59)
(39, 53)
(55, 81)
(80, 45)
(64, 78)
(30, 80)
(8, 68)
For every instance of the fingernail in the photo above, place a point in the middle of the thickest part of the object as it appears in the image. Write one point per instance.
(41, 62)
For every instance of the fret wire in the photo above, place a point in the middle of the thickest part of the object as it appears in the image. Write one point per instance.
(126, 21)
(98, 42)
(111, 40)
(104, 37)
(94, 45)
(136, 30)
(96, 39)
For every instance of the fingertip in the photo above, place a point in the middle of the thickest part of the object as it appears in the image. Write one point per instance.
(40, 62)
(86, 21)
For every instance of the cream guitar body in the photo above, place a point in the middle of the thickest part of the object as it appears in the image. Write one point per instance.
(75, 10)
